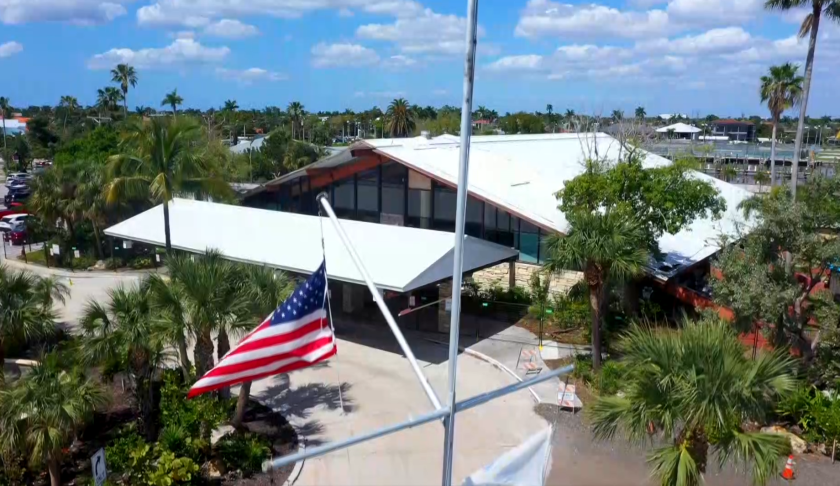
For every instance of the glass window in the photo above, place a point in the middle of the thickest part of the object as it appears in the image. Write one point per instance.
(444, 218)
(529, 242)
(475, 212)
(417, 180)
(419, 208)
(543, 246)
(504, 234)
(490, 232)
(344, 193)
(393, 188)
(367, 195)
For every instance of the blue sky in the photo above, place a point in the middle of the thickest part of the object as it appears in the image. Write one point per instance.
(686, 56)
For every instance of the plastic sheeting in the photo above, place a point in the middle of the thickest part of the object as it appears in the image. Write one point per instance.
(526, 465)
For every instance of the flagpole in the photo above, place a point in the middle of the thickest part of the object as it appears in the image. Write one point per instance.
(457, 270)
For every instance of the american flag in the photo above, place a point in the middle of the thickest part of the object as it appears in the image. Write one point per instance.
(296, 335)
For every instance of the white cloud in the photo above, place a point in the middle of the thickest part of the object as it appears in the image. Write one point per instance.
(181, 53)
(547, 18)
(529, 62)
(10, 49)
(83, 12)
(379, 94)
(337, 55)
(399, 61)
(440, 92)
(194, 13)
(250, 76)
(231, 29)
(426, 33)
(715, 12)
(714, 41)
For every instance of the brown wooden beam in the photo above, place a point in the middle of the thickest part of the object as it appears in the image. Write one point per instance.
(344, 171)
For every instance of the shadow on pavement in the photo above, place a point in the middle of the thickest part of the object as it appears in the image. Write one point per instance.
(299, 403)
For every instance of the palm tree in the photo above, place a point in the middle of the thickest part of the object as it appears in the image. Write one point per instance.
(607, 247)
(43, 411)
(781, 89)
(810, 25)
(70, 105)
(159, 161)
(263, 290)
(296, 113)
(125, 75)
(230, 105)
(172, 99)
(641, 114)
(26, 307)
(400, 120)
(4, 108)
(762, 178)
(729, 172)
(120, 334)
(698, 387)
(113, 97)
(617, 115)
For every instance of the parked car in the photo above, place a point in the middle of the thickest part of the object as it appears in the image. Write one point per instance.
(17, 208)
(7, 223)
(18, 185)
(17, 234)
(17, 177)
(16, 196)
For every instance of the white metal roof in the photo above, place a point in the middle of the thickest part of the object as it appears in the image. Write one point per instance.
(679, 128)
(397, 258)
(523, 172)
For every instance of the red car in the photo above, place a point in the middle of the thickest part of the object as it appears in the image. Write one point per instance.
(16, 237)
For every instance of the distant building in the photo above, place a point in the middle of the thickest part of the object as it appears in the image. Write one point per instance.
(679, 131)
(741, 131)
(13, 126)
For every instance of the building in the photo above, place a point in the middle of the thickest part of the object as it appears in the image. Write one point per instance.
(13, 126)
(679, 131)
(739, 131)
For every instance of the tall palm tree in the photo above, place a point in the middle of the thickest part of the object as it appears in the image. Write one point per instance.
(550, 109)
(4, 108)
(126, 76)
(810, 26)
(120, 333)
(617, 115)
(172, 99)
(113, 97)
(231, 105)
(296, 112)
(641, 114)
(699, 388)
(607, 247)
(101, 101)
(42, 412)
(781, 89)
(70, 105)
(26, 307)
(400, 119)
(264, 289)
(159, 161)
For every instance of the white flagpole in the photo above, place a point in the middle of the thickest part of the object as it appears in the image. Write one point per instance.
(457, 271)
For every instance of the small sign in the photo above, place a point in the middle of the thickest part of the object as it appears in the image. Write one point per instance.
(412, 301)
(55, 250)
(97, 463)
(448, 305)
(549, 311)
(157, 259)
(128, 244)
(485, 304)
(76, 254)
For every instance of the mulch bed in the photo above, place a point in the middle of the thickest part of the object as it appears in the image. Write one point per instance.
(552, 333)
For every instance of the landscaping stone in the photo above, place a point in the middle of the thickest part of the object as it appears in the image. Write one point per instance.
(220, 432)
(797, 444)
(213, 468)
(100, 265)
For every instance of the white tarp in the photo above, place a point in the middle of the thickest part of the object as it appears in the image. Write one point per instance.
(526, 465)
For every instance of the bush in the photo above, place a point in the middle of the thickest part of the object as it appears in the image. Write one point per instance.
(605, 382)
(196, 417)
(171, 470)
(140, 263)
(114, 263)
(176, 440)
(119, 455)
(245, 452)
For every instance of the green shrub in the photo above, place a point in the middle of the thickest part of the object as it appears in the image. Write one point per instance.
(119, 454)
(800, 407)
(82, 263)
(171, 470)
(176, 440)
(195, 417)
(140, 263)
(605, 382)
(245, 452)
(114, 263)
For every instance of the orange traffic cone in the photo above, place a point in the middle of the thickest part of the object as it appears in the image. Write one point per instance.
(788, 472)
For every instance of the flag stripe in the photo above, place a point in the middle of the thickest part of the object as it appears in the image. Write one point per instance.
(298, 352)
(296, 366)
(314, 333)
(301, 328)
(270, 369)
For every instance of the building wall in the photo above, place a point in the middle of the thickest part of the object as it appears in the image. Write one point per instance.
(500, 276)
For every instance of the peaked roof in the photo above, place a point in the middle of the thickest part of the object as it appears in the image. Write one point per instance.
(679, 128)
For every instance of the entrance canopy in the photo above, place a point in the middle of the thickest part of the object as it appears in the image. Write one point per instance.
(398, 258)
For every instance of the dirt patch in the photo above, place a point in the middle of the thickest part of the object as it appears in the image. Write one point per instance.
(552, 332)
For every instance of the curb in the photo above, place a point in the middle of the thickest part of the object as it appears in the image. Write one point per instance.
(293, 477)
(495, 363)
(63, 272)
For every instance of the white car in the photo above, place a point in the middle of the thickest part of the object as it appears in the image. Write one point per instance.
(7, 223)
(17, 177)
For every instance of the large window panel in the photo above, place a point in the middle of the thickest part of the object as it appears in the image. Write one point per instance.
(444, 201)
(367, 196)
(504, 233)
(475, 213)
(529, 242)
(490, 231)
(419, 208)
(394, 177)
(344, 193)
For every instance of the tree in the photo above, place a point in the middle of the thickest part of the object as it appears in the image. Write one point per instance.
(159, 160)
(400, 120)
(26, 307)
(810, 25)
(617, 210)
(22, 151)
(43, 411)
(697, 386)
(781, 89)
(70, 105)
(617, 115)
(762, 177)
(231, 106)
(4, 109)
(113, 97)
(126, 76)
(641, 113)
(296, 113)
(605, 247)
(173, 100)
(120, 335)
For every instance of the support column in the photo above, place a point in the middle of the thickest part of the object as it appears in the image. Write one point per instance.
(352, 298)
(444, 315)
(511, 275)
